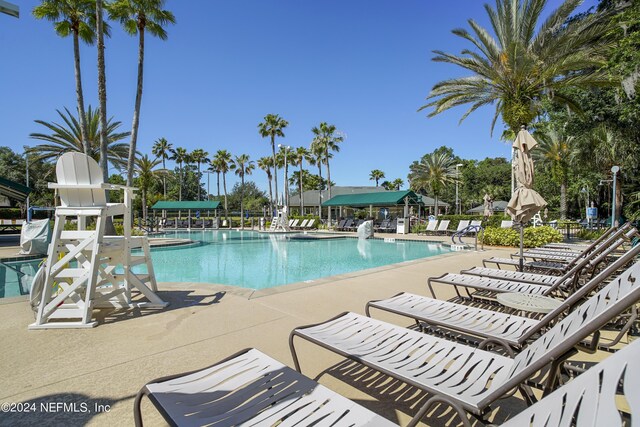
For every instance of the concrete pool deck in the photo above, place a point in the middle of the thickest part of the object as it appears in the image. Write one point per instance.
(105, 367)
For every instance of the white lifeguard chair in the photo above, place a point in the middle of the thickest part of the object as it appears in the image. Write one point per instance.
(80, 273)
(281, 221)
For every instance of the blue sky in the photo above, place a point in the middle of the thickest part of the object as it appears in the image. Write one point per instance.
(363, 65)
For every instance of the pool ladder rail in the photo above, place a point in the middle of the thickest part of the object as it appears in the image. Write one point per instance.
(477, 229)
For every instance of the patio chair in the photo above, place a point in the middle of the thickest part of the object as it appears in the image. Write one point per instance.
(294, 224)
(431, 226)
(347, 225)
(589, 262)
(81, 264)
(392, 227)
(470, 380)
(506, 223)
(250, 388)
(593, 398)
(489, 324)
(476, 223)
(443, 227)
(487, 287)
(341, 224)
(310, 224)
(303, 224)
(462, 224)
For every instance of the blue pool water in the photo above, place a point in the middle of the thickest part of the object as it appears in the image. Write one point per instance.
(258, 261)
(16, 277)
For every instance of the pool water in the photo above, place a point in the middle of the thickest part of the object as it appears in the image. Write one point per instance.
(258, 261)
(16, 277)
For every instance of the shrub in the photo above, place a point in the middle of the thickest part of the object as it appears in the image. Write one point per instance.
(591, 234)
(533, 236)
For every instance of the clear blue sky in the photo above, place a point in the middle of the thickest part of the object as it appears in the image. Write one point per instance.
(363, 65)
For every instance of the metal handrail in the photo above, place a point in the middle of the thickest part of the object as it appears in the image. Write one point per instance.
(470, 228)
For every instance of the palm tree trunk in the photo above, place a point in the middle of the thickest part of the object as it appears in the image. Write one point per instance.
(320, 190)
(102, 92)
(102, 98)
(224, 187)
(81, 111)
(136, 110)
(242, 203)
(199, 181)
(164, 178)
(275, 167)
(180, 180)
(144, 205)
(435, 205)
(300, 188)
(218, 183)
(269, 177)
(563, 200)
(328, 187)
(618, 199)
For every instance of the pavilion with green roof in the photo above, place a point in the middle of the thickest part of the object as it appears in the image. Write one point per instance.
(387, 199)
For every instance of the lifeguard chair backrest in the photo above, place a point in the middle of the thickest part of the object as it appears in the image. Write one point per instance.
(78, 168)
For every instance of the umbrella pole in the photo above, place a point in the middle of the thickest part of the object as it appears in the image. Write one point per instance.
(521, 246)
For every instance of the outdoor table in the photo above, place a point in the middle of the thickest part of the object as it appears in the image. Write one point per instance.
(528, 302)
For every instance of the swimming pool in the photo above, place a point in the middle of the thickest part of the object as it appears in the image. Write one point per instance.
(258, 261)
(16, 277)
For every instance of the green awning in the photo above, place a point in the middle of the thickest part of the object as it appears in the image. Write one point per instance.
(172, 205)
(382, 198)
(13, 190)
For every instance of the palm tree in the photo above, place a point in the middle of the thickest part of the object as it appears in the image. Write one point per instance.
(604, 148)
(137, 17)
(199, 156)
(213, 167)
(317, 158)
(433, 173)
(180, 156)
(329, 138)
(146, 177)
(242, 166)
(298, 156)
(67, 137)
(102, 98)
(271, 127)
(222, 159)
(162, 149)
(376, 175)
(397, 184)
(556, 150)
(266, 163)
(527, 62)
(75, 17)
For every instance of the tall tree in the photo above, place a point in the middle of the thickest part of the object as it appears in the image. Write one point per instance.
(376, 175)
(329, 139)
(214, 168)
(147, 176)
(242, 166)
(527, 61)
(181, 156)
(271, 127)
(75, 17)
(397, 184)
(298, 156)
(266, 164)
(432, 173)
(556, 150)
(137, 17)
(66, 137)
(317, 151)
(199, 156)
(222, 159)
(102, 95)
(162, 150)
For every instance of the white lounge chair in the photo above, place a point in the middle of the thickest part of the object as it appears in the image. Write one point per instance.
(310, 224)
(464, 223)
(506, 223)
(468, 379)
(431, 226)
(443, 226)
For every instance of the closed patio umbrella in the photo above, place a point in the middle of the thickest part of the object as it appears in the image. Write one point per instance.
(488, 205)
(525, 201)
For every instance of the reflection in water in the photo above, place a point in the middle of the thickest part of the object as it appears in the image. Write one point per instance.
(364, 248)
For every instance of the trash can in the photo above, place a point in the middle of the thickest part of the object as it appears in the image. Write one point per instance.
(403, 226)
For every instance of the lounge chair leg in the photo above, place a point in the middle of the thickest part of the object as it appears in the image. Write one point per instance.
(137, 414)
(439, 399)
(294, 355)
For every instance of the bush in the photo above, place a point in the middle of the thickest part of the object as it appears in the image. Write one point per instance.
(591, 234)
(533, 236)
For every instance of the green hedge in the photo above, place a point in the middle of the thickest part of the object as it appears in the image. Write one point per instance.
(533, 236)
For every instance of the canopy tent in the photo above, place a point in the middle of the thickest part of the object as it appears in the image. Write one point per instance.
(172, 205)
(13, 190)
(383, 198)
(498, 206)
